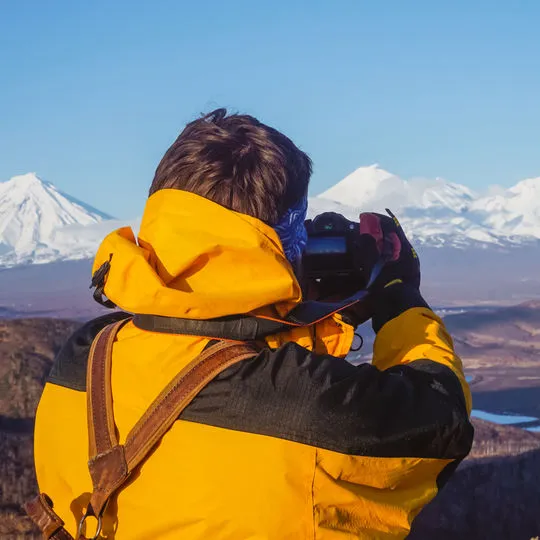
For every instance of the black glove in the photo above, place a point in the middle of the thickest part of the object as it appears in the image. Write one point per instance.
(382, 241)
(390, 270)
(396, 287)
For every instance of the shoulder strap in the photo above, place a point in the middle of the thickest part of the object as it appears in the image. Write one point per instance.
(110, 463)
(247, 327)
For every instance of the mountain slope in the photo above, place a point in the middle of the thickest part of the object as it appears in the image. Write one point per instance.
(437, 212)
(373, 187)
(27, 348)
(31, 213)
(515, 210)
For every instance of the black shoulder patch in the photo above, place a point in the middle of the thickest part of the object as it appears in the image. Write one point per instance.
(69, 366)
(415, 410)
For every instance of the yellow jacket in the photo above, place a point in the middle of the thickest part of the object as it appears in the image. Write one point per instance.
(296, 443)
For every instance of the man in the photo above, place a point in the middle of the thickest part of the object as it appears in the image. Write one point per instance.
(294, 442)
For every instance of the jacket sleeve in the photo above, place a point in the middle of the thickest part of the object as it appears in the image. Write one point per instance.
(419, 405)
(409, 331)
(409, 409)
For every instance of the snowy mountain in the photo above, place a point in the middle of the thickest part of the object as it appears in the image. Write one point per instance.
(437, 212)
(373, 187)
(39, 223)
(515, 211)
(32, 212)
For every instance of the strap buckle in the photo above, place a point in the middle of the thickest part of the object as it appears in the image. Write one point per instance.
(98, 284)
(87, 514)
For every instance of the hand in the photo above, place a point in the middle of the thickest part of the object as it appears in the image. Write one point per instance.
(382, 239)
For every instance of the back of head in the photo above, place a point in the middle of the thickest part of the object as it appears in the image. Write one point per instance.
(237, 162)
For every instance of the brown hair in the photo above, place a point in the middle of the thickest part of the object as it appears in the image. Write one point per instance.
(238, 162)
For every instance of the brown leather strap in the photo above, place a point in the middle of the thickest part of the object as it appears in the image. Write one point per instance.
(178, 394)
(40, 510)
(101, 427)
(107, 464)
(110, 463)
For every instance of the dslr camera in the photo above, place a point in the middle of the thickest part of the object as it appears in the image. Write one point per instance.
(329, 252)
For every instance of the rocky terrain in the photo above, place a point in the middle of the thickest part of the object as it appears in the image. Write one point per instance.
(492, 337)
(494, 498)
(27, 347)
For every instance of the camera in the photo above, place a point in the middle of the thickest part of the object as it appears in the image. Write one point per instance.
(329, 249)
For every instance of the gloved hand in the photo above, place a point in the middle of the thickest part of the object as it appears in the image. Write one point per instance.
(386, 258)
(383, 241)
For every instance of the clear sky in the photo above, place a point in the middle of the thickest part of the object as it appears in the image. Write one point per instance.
(92, 93)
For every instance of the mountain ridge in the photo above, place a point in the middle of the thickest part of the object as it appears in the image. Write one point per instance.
(39, 223)
(31, 212)
(437, 212)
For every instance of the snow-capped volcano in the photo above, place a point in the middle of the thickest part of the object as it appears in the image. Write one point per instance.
(437, 212)
(32, 211)
(515, 210)
(39, 223)
(375, 188)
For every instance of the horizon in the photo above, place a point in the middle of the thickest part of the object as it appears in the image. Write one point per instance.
(487, 191)
(96, 93)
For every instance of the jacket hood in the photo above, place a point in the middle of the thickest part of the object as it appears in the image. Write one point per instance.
(196, 259)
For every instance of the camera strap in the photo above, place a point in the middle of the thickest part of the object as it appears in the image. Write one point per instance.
(246, 327)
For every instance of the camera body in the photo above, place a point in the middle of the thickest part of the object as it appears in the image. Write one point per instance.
(329, 250)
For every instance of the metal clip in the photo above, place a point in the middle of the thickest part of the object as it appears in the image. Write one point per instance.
(81, 523)
(356, 348)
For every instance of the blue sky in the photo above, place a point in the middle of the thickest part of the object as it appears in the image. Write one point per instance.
(93, 93)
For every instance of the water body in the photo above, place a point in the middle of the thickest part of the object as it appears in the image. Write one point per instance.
(503, 419)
